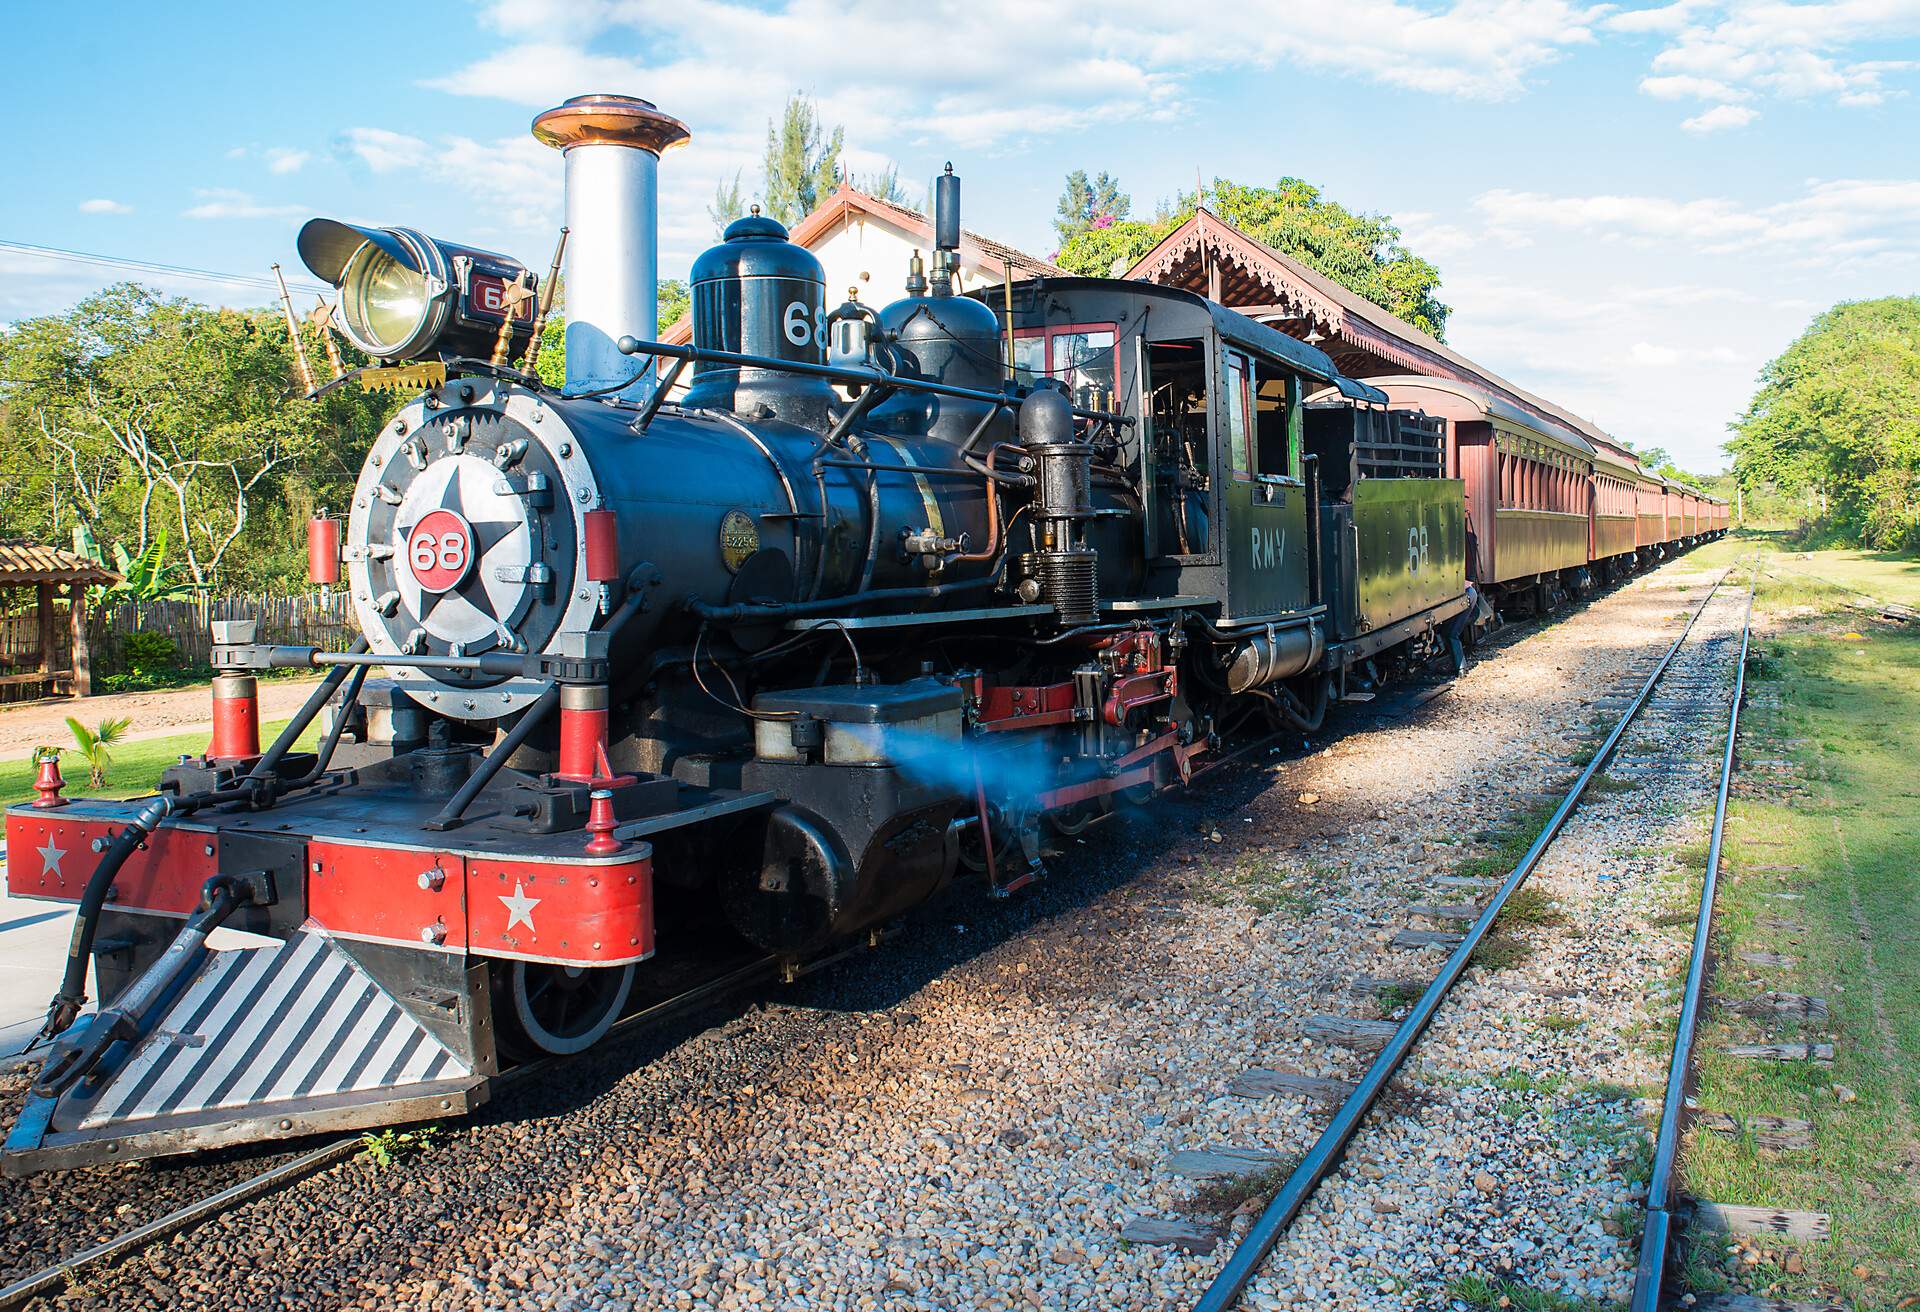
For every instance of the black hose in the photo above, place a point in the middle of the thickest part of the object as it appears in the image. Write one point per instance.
(66, 1004)
(456, 806)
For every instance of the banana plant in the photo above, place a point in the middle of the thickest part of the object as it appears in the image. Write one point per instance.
(146, 577)
(93, 745)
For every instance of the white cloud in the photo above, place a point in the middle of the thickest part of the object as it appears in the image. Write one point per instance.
(285, 159)
(1738, 50)
(225, 203)
(385, 151)
(101, 205)
(1720, 117)
(1829, 222)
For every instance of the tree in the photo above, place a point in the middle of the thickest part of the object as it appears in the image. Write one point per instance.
(1086, 205)
(671, 300)
(1362, 252)
(802, 162)
(727, 205)
(884, 185)
(134, 412)
(1836, 421)
(674, 301)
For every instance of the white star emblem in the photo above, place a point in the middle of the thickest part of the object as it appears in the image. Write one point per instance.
(519, 907)
(51, 854)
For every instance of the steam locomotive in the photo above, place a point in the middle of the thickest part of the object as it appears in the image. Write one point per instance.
(770, 636)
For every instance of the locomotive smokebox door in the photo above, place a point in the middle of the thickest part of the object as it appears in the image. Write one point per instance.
(876, 775)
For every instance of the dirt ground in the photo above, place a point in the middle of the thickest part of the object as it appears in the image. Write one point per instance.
(154, 714)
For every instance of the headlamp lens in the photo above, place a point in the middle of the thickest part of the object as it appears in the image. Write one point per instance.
(383, 303)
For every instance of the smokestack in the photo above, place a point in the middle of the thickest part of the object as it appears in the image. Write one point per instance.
(612, 146)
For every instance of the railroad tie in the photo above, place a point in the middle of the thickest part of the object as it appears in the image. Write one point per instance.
(1770, 960)
(1351, 1032)
(1186, 1235)
(1818, 1052)
(1427, 938)
(1217, 1162)
(1432, 912)
(1257, 1083)
(1463, 881)
(1378, 984)
(1738, 1219)
(1754, 1303)
(1793, 1006)
(1781, 1133)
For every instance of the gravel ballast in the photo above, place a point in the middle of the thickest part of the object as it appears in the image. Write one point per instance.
(970, 1116)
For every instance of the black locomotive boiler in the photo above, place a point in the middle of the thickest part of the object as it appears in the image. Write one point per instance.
(781, 631)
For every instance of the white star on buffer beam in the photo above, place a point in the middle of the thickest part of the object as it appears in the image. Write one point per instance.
(51, 854)
(519, 907)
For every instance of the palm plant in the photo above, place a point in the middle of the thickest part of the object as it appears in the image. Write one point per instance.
(93, 744)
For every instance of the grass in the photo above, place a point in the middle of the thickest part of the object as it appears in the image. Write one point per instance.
(1530, 906)
(1257, 881)
(1848, 716)
(1502, 1295)
(1395, 996)
(136, 766)
(1229, 1193)
(1501, 951)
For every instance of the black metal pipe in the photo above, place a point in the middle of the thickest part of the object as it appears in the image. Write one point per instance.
(837, 374)
(658, 398)
(1651, 1267)
(324, 757)
(530, 719)
(1326, 1151)
(265, 766)
(798, 609)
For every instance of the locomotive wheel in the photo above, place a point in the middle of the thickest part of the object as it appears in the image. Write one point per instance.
(543, 1010)
(1070, 821)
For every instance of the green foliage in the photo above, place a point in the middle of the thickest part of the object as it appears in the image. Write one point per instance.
(1362, 252)
(802, 163)
(884, 185)
(674, 301)
(149, 654)
(385, 1147)
(1836, 422)
(146, 577)
(94, 744)
(1089, 204)
(135, 414)
(728, 204)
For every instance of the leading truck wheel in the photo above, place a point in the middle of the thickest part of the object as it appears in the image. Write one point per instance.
(543, 1010)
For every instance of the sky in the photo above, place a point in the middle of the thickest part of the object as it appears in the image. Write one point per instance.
(1633, 206)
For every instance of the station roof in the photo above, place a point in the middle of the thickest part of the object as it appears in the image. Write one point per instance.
(1210, 256)
(25, 562)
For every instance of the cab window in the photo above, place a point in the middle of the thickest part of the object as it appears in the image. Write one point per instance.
(1235, 401)
(1276, 436)
(1079, 355)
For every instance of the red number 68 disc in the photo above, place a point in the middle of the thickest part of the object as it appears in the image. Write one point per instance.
(440, 550)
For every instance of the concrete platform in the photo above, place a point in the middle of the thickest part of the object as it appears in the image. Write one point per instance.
(33, 953)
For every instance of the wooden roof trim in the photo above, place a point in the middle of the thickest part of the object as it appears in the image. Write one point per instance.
(23, 562)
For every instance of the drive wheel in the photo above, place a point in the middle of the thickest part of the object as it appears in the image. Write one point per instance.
(543, 1010)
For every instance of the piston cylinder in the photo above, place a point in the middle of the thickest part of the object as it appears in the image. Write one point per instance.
(1277, 653)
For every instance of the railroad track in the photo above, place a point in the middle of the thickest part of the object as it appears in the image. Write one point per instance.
(286, 1171)
(1675, 689)
(56, 1276)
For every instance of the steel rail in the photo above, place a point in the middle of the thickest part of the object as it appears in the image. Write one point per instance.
(1244, 1262)
(1651, 1267)
(52, 1278)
